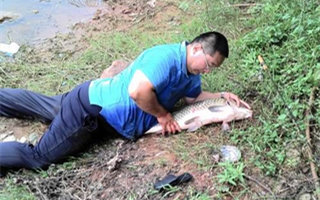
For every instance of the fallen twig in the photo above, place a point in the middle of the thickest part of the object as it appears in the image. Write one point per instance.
(296, 186)
(260, 184)
(40, 193)
(309, 148)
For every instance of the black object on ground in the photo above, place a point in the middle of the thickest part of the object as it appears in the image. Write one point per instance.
(172, 180)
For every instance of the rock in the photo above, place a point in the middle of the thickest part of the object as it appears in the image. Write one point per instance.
(230, 153)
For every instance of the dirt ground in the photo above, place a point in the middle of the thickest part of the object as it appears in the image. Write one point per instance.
(116, 168)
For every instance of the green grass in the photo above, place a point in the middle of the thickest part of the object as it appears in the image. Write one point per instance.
(12, 191)
(288, 39)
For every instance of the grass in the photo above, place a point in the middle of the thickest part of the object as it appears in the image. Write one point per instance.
(286, 34)
(285, 88)
(13, 191)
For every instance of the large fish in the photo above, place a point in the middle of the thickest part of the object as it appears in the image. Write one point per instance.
(205, 112)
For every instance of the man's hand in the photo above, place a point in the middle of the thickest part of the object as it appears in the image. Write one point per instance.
(143, 93)
(227, 95)
(168, 124)
(232, 97)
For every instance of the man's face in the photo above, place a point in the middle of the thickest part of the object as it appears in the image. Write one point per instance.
(202, 63)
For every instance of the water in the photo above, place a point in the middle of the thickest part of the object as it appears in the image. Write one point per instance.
(40, 19)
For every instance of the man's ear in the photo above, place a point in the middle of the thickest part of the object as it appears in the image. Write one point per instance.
(196, 49)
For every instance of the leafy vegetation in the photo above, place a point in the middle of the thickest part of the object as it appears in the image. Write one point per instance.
(286, 35)
(13, 191)
(288, 39)
(232, 173)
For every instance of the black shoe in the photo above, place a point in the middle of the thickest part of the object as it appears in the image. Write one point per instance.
(172, 180)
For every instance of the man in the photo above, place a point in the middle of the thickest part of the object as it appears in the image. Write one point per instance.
(130, 103)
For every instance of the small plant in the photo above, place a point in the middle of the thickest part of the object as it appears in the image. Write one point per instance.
(231, 174)
(200, 196)
(132, 196)
(170, 190)
(184, 6)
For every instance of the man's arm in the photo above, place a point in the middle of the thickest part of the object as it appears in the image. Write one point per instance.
(227, 95)
(142, 92)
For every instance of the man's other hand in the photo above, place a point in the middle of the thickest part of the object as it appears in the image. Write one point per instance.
(169, 125)
(232, 97)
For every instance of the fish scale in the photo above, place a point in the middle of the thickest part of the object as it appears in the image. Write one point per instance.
(187, 111)
(200, 105)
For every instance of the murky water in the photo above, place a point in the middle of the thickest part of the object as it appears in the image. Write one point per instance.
(34, 20)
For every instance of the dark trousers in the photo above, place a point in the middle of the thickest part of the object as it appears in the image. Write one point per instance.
(72, 119)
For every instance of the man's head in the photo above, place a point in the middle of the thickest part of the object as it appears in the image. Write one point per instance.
(206, 52)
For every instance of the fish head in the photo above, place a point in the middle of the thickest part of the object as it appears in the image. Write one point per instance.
(241, 112)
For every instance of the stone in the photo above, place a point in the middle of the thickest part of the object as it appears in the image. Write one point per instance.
(230, 153)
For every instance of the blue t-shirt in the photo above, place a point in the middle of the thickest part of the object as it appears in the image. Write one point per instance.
(165, 67)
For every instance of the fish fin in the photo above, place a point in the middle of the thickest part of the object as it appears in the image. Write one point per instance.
(225, 127)
(189, 121)
(216, 108)
(194, 124)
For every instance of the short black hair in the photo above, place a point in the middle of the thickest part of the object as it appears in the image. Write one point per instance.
(212, 42)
